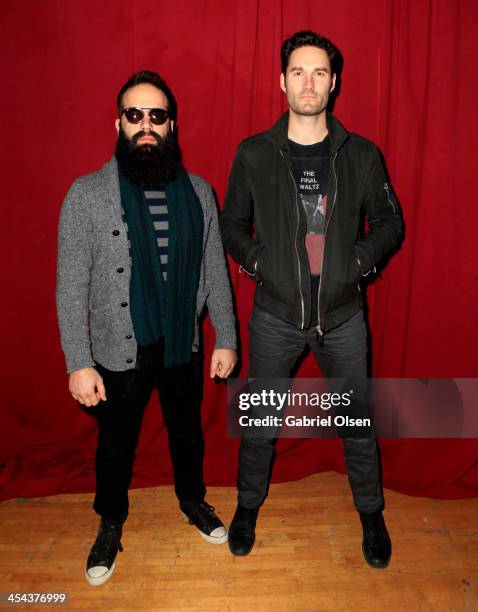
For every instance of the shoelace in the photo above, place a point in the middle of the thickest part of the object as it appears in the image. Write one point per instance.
(205, 512)
(109, 539)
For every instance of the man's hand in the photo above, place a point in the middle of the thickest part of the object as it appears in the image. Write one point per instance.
(222, 362)
(86, 386)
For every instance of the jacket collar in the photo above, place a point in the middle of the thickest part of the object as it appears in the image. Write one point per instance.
(278, 132)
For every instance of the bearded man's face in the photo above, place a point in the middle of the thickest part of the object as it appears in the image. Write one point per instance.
(147, 153)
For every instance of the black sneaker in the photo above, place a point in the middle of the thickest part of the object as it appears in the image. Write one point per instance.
(203, 517)
(101, 560)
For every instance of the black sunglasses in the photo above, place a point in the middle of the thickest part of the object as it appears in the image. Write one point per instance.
(135, 114)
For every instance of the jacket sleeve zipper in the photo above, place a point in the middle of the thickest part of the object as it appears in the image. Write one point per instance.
(387, 189)
(242, 269)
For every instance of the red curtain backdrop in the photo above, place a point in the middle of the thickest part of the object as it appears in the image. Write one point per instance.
(409, 84)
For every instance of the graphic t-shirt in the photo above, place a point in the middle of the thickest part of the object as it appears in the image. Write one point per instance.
(311, 169)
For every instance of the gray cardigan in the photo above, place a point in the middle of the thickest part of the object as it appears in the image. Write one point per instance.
(94, 269)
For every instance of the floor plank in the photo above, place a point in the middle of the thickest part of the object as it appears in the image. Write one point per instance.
(307, 555)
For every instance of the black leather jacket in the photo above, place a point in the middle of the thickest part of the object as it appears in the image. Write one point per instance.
(263, 197)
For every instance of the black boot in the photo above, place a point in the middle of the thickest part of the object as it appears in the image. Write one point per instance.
(242, 530)
(101, 560)
(376, 545)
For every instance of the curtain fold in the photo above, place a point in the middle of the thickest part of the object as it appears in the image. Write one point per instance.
(409, 84)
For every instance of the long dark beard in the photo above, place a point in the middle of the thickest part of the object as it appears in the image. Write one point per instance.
(148, 164)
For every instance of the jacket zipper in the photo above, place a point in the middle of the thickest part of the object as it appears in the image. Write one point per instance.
(242, 269)
(319, 329)
(295, 241)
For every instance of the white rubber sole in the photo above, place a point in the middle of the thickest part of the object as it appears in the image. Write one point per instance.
(98, 580)
(222, 539)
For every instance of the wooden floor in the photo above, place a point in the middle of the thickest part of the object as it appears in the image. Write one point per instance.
(307, 554)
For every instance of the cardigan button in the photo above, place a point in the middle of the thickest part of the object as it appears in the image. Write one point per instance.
(124, 304)
(128, 337)
(129, 361)
(120, 270)
(115, 232)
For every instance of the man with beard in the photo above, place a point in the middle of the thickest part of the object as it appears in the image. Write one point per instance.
(139, 256)
(305, 185)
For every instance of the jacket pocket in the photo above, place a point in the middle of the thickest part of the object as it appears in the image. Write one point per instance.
(355, 273)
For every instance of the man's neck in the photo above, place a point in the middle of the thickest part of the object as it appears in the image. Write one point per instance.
(307, 129)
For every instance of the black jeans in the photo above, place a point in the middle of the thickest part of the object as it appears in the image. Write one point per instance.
(119, 422)
(274, 347)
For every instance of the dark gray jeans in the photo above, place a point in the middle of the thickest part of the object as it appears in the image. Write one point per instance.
(274, 347)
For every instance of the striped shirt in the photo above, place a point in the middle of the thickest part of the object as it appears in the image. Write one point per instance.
(156, 200)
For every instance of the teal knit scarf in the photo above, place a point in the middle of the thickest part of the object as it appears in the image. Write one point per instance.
(159, 308)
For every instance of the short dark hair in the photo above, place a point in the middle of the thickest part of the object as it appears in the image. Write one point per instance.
(307, 38)
(152, 78)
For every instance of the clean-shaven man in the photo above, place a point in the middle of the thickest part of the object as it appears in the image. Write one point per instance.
(304, 186)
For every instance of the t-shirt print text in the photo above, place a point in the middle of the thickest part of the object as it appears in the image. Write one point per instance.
(308, 181)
